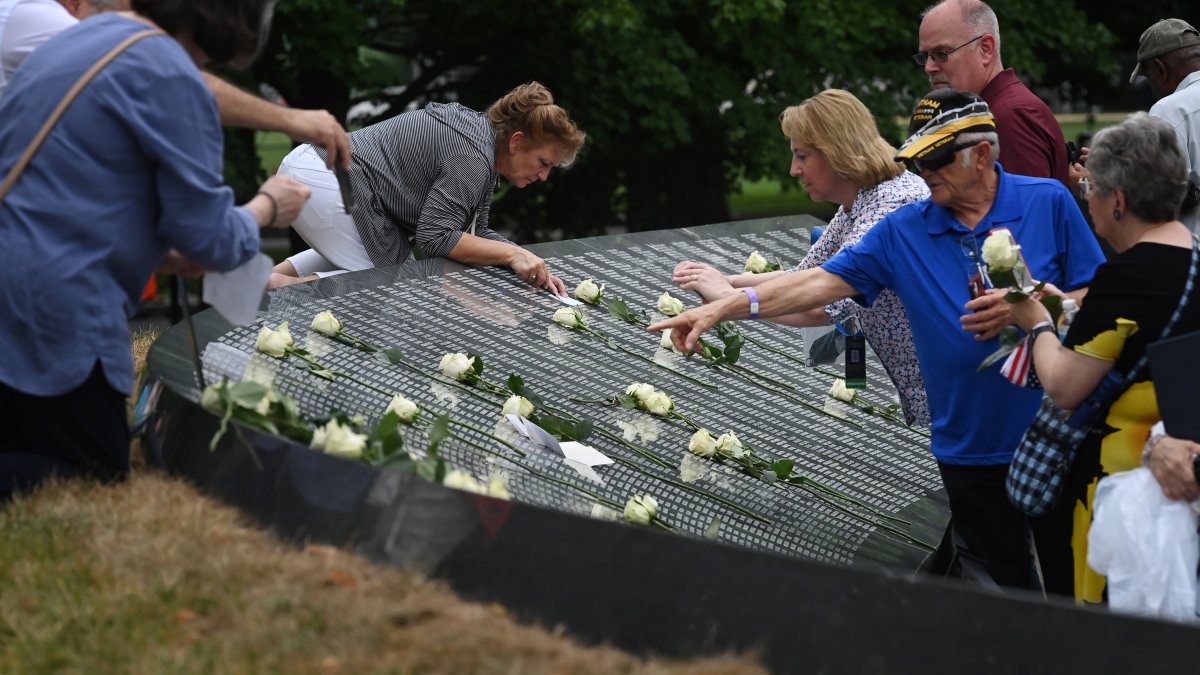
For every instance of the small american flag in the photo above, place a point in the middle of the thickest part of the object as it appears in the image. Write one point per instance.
(1018, 367)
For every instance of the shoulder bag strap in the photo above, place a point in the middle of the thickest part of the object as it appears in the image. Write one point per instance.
(66, 101)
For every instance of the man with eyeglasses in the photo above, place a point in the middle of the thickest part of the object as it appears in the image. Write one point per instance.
(960, 48)
(928, 253)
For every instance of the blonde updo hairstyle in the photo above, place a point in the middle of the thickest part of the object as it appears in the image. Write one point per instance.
(841, 128)
(530, 108)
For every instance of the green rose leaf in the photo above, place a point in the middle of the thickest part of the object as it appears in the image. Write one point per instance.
(627, 401)
(438, 433)
(733, 348)
(387, 433)
(1009, 339)
(390, 356)
(246, 394)
(783, 468)
(1053, 304)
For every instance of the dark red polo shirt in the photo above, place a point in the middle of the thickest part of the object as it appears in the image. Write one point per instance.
(1031, 142)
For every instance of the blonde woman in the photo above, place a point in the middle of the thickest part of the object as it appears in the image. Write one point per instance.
(423, 181)
(839, 156)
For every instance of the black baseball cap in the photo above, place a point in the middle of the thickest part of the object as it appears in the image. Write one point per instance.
(939, 118)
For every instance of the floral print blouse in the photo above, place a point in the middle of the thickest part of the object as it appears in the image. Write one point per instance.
(885, 324)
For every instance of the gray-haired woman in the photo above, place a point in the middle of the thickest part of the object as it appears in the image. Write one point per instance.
(1138, 180)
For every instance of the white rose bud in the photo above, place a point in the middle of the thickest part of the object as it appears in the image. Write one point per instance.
(569, 317)
(640, 509)
(669, 305)
(659, 404)
(518, 405)
(665, 340)
(588, 291)
(640, 391)
(702, 444)
(210, 398)
(461, 480)
(498, 488)
(326, 324)
(338, 440)
(840, 391)
(998, 252)
(756, 264)
(456, 365)
(403, 407)
(274, 342)
(728, 444)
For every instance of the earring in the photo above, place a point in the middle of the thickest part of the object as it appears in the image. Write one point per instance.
(1116, 214)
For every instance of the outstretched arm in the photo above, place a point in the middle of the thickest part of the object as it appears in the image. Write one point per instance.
(240, 108)
(788, 294)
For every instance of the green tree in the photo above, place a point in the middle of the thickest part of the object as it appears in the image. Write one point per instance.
(680, 98)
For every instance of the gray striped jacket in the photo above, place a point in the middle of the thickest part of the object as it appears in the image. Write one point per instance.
(422, 178)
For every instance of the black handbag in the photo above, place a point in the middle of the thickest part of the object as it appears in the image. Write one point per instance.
(1047, 451)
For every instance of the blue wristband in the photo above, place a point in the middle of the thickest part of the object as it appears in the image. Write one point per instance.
(753, 301)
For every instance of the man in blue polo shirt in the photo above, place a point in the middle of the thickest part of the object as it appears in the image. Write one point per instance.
(928, 253)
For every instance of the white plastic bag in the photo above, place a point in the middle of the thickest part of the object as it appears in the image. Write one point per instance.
(1146, 545)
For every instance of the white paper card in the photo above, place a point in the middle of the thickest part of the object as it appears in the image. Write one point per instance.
(237, 293)
(584, 454)
(585, 471)
(568, 301)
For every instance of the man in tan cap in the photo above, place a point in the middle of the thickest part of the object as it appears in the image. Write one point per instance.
(1169, 57)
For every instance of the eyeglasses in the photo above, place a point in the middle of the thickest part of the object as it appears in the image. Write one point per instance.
(942, 161)
(940, 55)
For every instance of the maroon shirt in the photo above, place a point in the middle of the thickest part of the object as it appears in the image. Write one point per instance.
(1031, 142)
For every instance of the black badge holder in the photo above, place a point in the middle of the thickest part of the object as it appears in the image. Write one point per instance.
(856, 353)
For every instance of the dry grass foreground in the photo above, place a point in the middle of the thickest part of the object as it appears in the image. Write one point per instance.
(152, 577)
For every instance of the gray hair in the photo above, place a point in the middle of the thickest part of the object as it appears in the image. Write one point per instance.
(976, 137)
(1142, 158)
(976, 15)
(110, 5)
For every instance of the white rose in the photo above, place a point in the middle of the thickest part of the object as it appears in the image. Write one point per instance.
(569, 317)
(669, 305)
(640, 391)
(840, 391)
(518, 405)
(756, 264)
(665, 340)
(728, 444)
(274, 342)
(326, 324)
(461, 480)
(455, 365)
(659, 404)
(210, 398)
(998, 252)
(641, 509)
(341, 441)
(498, 488)
(403, 407)
(588, 291)
(702, 444)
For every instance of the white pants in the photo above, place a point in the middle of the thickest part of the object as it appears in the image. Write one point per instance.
(323, 223)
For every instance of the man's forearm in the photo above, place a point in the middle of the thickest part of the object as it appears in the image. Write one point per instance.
(240, 108)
